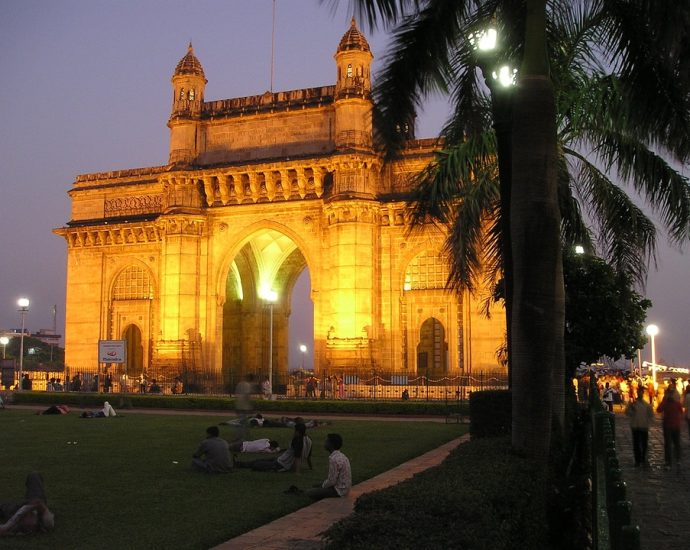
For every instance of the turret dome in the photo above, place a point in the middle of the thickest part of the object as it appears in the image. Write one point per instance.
(353, 39)
(189, 64)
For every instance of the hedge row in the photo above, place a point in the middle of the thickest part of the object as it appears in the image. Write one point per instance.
(186, 402)
(491, 413)
(480, 497)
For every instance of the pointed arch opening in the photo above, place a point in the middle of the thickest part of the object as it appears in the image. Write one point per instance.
(432, 349)
(257, 333)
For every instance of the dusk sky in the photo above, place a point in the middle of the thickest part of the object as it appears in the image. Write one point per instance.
(86, 88)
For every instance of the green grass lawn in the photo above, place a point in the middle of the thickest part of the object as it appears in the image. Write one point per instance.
(114, 483)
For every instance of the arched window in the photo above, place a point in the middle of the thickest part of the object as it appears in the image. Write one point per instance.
(192, 94)
(181, 93)
(426, 271)
(349, 71)
(133, 283)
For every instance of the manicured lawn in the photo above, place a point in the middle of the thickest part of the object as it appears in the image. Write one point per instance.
(119, 486)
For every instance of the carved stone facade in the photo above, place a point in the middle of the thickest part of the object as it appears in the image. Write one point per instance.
(177, 259)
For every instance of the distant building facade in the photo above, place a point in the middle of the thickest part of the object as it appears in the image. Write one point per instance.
(179, 259)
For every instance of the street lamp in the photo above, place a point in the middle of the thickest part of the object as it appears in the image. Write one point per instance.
(4, 340)
(500, 79)
(270, 296)
(579, 249)
(653, 330)
(23, 304)
(303, 349)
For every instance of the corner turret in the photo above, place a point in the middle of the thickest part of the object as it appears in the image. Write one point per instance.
(353, 103)
(188, 83)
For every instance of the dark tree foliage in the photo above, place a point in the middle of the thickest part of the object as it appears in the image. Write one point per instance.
(35, 351)
(604, 315)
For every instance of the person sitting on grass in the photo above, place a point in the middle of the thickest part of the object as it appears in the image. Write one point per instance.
(339, 481)
(213, 455)
(29, 516)
(291, 459)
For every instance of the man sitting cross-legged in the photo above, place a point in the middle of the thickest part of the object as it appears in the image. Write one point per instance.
(213, 455)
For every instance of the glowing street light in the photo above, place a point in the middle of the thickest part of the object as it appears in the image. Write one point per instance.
(653, 330)
(579, 249)
(23, 304)
(4, 340)
(271, 297)
(303, 349)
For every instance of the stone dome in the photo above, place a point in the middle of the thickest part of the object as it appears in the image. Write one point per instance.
(353, 39)
(189, 64)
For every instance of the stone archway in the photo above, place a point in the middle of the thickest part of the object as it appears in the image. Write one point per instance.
(135, 351)
(268, 260)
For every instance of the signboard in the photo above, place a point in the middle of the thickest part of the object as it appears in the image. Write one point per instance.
(112, 351)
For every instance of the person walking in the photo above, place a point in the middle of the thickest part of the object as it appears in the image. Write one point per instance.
(686, 406)
(607, 397)
(641, 416)
(672, 410)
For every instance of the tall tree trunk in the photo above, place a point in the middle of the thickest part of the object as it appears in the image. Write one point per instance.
(538, 299)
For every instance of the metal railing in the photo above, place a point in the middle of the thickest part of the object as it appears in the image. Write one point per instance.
(343, 384)
(611, 512)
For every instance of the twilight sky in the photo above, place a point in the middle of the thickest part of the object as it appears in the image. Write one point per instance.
(86, 88)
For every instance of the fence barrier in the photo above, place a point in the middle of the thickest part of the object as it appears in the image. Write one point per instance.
(611, 512)
(293, 385)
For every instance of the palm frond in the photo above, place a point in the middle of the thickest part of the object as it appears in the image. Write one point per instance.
(626, 236)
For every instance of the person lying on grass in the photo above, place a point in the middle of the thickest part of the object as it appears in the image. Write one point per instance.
(258, 420)
(288, 461)
(213, 455)
(339, 480)
(105, 412)
(254, 446)
(30, 515)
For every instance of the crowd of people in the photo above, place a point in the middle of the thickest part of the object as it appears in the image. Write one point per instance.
(639, 399)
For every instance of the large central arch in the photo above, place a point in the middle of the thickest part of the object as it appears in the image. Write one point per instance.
(266, 260)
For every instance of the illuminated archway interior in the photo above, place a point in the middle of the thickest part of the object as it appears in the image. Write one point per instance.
(268, 261)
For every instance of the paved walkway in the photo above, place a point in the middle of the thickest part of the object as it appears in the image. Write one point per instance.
(302, 529)
(660, 498)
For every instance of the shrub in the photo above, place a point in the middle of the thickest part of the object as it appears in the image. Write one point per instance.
(481, 497)
(221, 403)
(490, 413)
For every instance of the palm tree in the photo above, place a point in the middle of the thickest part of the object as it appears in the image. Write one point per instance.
(621, 97)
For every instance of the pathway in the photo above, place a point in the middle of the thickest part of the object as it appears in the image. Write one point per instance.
(302, 529)
(660, 498)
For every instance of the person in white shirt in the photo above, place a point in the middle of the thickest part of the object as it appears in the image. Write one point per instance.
(339, 481)
(255, 446)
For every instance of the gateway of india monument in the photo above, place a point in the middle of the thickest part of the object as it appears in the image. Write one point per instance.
(193, 263)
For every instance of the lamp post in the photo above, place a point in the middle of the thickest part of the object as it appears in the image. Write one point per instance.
(653, 330)
(4, 340)
(271, 296)
(500, 82)
(303, 349)
(23, 304)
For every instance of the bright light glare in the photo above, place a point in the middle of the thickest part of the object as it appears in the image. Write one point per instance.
(484, 40)
(303, 348)
(4, 340)
(270, 295)
(579, 249)
(23, 302)
(505, 76)
(652, 330)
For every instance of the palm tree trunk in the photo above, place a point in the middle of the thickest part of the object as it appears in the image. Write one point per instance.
(538, 299)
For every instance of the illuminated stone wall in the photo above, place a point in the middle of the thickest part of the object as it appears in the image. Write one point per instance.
(177, 258)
